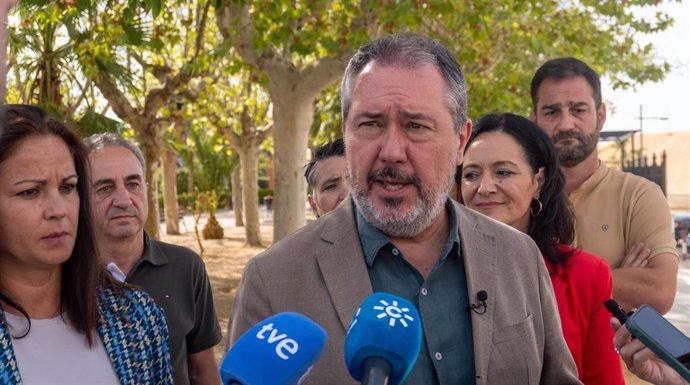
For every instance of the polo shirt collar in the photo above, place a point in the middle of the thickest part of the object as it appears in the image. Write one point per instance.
(373, 239)
(594, 180)
(152, 254)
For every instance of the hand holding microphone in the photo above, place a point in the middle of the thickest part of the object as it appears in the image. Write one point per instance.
(383, 340)
(279, 350)
(644, 338)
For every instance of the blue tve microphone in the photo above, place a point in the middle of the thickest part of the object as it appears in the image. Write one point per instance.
(383, 340)
(279, 350)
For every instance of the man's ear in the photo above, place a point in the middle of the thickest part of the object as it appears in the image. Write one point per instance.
(312, 205)
(601, 115)
(465, 132)
(533, 116)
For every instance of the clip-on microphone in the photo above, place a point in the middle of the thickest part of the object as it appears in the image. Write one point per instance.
(482, 296)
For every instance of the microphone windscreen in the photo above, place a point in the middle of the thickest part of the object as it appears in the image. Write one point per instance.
(615, 310)
(611, 305)
(279, 350)
(388, 327)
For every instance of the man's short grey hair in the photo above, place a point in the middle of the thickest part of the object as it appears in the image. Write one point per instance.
(108, 139)
(409, 51)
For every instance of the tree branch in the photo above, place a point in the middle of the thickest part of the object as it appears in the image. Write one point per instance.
(233, 137)
(201, 27)
(117, 100)
(321, 73)
(237, 19)
(264, 132)
(136, 56)
(156, 98)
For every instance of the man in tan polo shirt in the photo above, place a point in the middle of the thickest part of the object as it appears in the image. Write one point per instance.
(619, 216)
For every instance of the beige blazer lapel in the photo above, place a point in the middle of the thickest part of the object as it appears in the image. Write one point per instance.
(480, 257)
(342, 263)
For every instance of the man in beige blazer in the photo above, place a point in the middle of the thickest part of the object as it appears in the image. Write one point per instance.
(405, 125)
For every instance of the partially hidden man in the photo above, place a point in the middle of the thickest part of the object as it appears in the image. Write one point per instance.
(619, 216)
(173, 275)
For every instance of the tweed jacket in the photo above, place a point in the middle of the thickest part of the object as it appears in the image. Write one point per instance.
(320, 271)
(133, 330)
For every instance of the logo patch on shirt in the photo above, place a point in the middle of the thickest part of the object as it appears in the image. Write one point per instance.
(604, 227)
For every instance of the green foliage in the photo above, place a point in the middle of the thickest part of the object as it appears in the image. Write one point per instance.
(498, 43)
(41, 61)
(211, 153)
(61, 48)
(501, 46)
(155, 6)
(305, 28)
(64, 46)
(207, 156)
(185, 200)
(327, 117)
(101, 32)
(263, 193)
(298, 48)
(92, 122)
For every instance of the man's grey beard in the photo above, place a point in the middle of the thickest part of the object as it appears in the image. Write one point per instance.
(571, 156)
(428, 206)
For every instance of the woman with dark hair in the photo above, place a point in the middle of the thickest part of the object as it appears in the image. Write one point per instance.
(510, 173)
(62, 318)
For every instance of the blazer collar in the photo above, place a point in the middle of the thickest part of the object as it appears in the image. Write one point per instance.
(342, 262)
(480, 257)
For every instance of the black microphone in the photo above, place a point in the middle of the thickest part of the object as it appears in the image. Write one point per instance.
(482, 296)
(615, 310)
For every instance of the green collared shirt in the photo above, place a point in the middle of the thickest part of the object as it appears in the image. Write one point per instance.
(447, 355)
(176, 279)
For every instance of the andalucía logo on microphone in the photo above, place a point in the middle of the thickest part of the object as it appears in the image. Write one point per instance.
(394, 312)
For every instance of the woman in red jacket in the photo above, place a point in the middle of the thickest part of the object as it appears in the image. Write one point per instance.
(510, 173)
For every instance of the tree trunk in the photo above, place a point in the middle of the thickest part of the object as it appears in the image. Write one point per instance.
(148, 142)
(293, 114)
(172, 214)
(237, 204)
(249, 161)
(293, 88)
